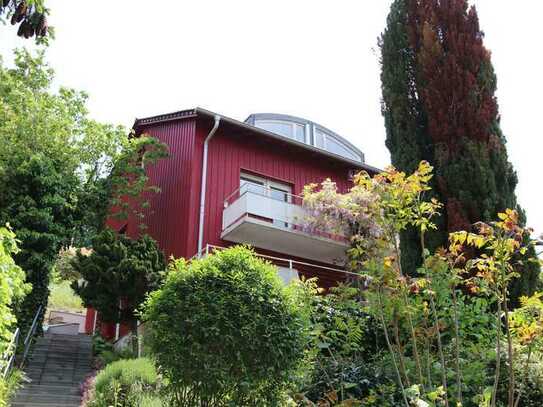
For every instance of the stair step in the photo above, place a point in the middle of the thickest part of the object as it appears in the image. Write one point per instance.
(69, 390)
(56, 367)
(47, 398)
(43, 404)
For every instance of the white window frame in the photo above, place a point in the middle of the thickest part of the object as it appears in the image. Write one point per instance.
(267, 186)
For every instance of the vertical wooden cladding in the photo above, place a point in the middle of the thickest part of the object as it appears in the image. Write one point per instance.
(174, 214)
(231, 152)
(167, 217)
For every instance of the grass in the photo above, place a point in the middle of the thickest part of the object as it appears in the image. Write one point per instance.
(63, 298)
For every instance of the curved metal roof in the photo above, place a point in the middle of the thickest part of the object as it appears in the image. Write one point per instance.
(311, 125)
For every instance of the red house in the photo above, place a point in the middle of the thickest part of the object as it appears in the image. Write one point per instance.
(228, 182)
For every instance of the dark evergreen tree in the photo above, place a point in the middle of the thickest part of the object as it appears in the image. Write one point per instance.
(439, 105)
(118, 274)
(37, 198)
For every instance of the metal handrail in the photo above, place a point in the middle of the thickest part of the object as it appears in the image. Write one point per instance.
(266, 189)
(30, 335)
(289, 261)
(296, 222)
(9, 354)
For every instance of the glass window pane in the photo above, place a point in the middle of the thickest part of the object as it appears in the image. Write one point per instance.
(279, 194)
(300, 132)
(319, 139)
(250, 185)
(334, 146)
(283, 128)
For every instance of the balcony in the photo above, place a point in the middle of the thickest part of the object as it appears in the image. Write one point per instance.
(267, 220)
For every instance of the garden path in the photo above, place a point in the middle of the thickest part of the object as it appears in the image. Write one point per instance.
(57, 366)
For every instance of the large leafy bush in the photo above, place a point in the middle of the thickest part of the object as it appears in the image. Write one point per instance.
(225, 331)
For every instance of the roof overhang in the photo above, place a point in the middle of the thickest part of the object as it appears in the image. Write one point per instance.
(198, 111)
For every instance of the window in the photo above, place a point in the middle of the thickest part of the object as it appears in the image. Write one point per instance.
(266, 187)
(307, 132)
(330, 143)
(295, 131)
(250, 184)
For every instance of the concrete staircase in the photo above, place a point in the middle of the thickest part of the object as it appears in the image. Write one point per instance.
(56, 367)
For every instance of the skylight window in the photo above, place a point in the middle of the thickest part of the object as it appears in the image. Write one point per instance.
(291, 130)
(305, 131)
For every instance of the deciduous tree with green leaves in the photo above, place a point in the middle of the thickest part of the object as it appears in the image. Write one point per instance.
(12, 285)
(60, 171)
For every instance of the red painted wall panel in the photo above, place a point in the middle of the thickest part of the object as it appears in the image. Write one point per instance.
(167, 218)
(174, 215)
(229, 154)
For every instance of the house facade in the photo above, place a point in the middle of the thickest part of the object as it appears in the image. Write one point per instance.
(231, 182)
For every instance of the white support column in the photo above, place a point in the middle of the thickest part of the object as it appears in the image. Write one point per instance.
(94, 323)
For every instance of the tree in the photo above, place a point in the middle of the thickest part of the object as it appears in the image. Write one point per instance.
(60, 171)
(439, 105)
(118, 274)
(225, 331)
(12, 285)
(441, 340)
(30, 15)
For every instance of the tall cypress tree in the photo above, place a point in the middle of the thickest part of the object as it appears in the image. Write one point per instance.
(439, 105)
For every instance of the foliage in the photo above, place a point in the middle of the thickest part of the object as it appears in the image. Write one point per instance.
(9, 386)
(63, 298)
(58, 169)
(63, 269)
(31, 15)
(346, 353)
(128, 185)
(439, 105)
(438, 328)
(105, 353)
(225, 332)
(124, 384)
(12, 285)
(118, 274)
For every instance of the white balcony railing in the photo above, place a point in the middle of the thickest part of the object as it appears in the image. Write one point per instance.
(274, 220)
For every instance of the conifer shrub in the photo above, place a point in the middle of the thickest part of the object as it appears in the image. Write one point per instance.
(226, 332)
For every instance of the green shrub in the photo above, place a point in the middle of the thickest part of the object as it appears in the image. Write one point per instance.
(346, 357)
(225, 331)
(9, 386)
(124, 383)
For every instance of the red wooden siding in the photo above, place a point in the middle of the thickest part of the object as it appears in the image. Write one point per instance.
(173, 219)
(168, 217)
(229, 154)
